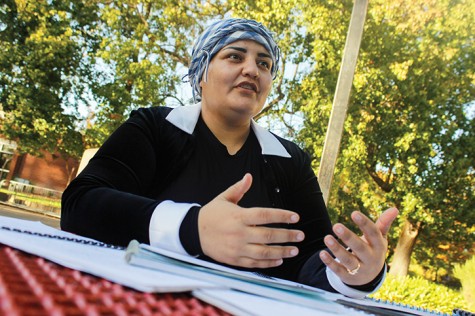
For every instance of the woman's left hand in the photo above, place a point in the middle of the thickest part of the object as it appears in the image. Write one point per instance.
(367, 256)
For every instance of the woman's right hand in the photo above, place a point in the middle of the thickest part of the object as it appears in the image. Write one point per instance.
(235, 236)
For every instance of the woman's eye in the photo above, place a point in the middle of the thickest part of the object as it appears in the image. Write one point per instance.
(234, 57)
(264, 64)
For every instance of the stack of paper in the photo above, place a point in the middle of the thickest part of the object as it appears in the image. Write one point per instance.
(81, 254)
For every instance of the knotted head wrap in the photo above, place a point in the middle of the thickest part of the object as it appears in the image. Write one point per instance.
(220, 34)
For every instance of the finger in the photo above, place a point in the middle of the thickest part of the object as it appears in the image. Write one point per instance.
(370, 230)
(267, 235)
(247, 262)
(235, 192)
(386, 219)
(346, 258)
(350, 239)
(262, 216)
(331, 263)
(266, 252)
(263, 256)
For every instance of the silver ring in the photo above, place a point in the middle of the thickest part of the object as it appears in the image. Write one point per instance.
(355, 270)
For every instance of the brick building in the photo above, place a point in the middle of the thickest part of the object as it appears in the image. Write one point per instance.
(49, 171)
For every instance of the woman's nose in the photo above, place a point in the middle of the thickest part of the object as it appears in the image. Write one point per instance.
(250, 69)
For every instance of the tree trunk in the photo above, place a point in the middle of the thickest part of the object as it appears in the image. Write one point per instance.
(16, 160)
(404, 247)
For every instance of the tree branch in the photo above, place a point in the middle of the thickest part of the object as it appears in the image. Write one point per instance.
(280, 95)
(385, 185)
(176, 57)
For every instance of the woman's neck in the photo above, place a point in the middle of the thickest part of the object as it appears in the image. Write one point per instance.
(232, 134)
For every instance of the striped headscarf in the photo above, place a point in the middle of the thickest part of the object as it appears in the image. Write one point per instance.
(220, 34)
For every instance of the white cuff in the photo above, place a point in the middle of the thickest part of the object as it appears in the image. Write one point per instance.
(164, 229)
(344, 289)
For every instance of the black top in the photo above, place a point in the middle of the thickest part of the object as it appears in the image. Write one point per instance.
(148, 160)
(211, 170)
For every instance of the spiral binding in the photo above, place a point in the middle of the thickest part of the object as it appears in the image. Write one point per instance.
(411, 307)
(455, 312)
(76, 240)
(461, 312)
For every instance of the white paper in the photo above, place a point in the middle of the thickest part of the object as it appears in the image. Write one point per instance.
(99, 261)
(242, 304)
(249, 294)
(276, 289)
(251, 275)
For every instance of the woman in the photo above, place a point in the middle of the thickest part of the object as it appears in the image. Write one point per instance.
(207, 181)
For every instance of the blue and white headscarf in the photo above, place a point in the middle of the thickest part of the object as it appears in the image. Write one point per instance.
(220, 34)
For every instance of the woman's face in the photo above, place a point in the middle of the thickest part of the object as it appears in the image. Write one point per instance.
(239, 80)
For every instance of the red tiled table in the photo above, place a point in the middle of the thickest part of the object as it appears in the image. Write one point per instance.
(30, 285)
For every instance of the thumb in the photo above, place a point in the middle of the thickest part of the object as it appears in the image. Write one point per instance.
(386, 219)
(235, 192)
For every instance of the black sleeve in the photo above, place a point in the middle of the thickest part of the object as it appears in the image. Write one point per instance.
(299, 192)
(111, 199)
(189, 236)
(303, 195)
(315, 222)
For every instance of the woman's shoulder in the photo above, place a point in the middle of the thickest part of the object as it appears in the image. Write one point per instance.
(292, 147)
(153, 112)
(153, 120)
(291, 172)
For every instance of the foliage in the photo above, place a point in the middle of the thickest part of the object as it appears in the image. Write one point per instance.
(418, 292)
(41, 66)
(466, 274)
(409, 137)
(143, 54)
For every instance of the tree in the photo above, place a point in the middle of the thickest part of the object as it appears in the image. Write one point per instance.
(42, 69)
(414, 81)
(143, 56)
(146, 48)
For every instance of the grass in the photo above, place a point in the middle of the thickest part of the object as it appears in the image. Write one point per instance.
(31, 198)
(419, 292)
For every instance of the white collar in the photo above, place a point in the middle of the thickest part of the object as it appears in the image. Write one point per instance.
(186, 117)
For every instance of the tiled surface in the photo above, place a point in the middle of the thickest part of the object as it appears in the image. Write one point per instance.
(30, 285)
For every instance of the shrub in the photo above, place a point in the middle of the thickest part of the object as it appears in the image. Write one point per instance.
(466, 274)
(419, 292)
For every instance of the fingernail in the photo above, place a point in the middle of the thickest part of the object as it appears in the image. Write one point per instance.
(279, 262)
(330, 241)
(294, 252)
(294, 219)
(358, 218)
(299, 237)
(339, 230)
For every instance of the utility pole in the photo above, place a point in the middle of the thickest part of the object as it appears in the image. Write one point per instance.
(335, 128)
